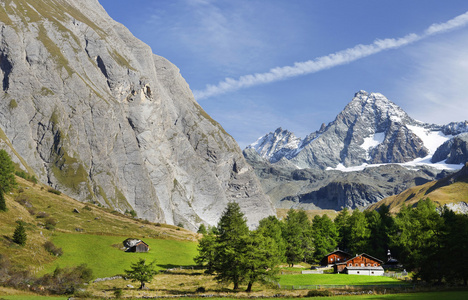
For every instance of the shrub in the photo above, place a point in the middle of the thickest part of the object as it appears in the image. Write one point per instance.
(118, 293)
(42, 214)
(317, 293)
(52, 249)
(87, 207)
(54, 191)
(50, 223)
(13, 104)
(201, 290)
(23, 200)
(26, 176)
(66, 280)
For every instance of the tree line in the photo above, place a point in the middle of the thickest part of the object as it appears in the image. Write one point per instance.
(431, 242)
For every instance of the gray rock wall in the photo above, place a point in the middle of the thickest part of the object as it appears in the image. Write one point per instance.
(95, 114)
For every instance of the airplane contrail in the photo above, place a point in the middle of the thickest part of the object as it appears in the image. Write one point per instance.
(326, 62)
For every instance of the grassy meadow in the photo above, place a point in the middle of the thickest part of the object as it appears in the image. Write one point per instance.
(335, 279)
(104, 256)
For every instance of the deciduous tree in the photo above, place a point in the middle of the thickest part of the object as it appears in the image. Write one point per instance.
(141, 272)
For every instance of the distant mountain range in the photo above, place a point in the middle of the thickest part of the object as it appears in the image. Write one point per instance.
(371, 131)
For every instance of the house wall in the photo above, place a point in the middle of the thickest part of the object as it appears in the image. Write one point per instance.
(365, 272)
(362, 261)
(141, 248)
(339, 268)
(337, 258)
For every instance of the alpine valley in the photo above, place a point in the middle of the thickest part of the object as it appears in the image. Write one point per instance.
(88, 109)
(372, 150)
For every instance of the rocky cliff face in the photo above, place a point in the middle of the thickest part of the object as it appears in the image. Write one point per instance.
(453, 151)
(312, 188)
(94, 113)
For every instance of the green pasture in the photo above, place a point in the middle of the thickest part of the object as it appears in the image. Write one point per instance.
(335, 279)
(102, 253)
(453, 295)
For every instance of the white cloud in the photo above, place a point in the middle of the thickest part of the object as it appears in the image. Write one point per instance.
(326, 62)
(437, 90)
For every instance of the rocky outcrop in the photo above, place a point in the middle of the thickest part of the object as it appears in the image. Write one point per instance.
(94, 113)
(453, 151)
(289, 187)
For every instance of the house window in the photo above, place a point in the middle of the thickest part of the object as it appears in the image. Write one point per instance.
(358, 272)
(368, 265)
(372, 272)
(375, 265)
(350, 265)
(357, 265)
(362, 265)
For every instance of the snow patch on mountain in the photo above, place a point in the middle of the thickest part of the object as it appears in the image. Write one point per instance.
(412, 165)
(431, 139)
(372, 141)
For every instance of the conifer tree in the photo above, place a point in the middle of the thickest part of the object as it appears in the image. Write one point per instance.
(325, 236)
(7, 177)
(19, 236)
(230, 242)
(3, 206)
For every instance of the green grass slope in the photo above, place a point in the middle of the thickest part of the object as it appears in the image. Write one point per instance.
(104, 256)
(335, 279)
(451, 189)
(85, 237)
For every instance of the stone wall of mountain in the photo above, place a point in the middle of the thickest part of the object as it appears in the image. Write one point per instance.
(312, 188)
(90, 110)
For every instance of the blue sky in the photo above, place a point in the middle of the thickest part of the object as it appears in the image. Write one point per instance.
(321, 53)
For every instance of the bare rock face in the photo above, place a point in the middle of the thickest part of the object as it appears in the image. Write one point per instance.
(92, 112)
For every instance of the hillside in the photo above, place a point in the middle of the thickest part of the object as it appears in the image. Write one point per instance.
(93, 227)
(451, 190)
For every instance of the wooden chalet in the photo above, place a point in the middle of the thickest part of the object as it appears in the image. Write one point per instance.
(362, 264)
(335, 257)
(135, 245)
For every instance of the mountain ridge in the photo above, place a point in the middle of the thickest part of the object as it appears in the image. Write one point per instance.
(369, 130)
(372, 150)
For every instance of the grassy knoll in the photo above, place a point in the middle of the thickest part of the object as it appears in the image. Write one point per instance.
(102, 253)
(34, 205)
(335, 279)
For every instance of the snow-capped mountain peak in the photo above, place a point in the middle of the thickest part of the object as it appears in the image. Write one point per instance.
(370, 130)
(274, 145)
